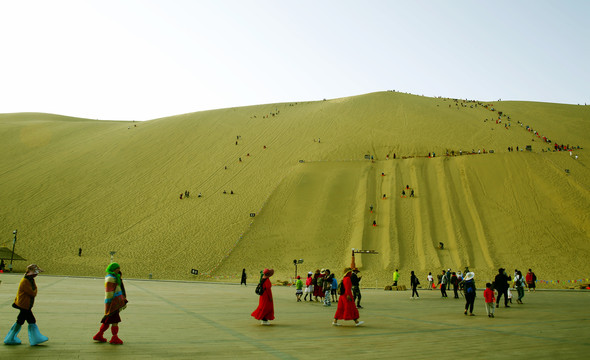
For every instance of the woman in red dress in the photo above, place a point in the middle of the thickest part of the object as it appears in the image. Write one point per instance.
(346, 308)
(265, 310)
(318, 285)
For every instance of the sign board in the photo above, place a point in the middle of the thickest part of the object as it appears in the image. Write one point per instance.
(252, 214)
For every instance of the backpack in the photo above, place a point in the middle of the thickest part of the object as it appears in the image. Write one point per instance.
(341, 289)
(259, 288)
(469, 287)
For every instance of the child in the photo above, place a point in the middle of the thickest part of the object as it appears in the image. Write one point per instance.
(490, 299)
(298, 288)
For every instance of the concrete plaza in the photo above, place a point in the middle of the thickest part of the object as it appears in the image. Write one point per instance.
(169, 319)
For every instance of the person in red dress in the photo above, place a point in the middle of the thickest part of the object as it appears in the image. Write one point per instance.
(265, 310)
(318, 283)
(346, 308)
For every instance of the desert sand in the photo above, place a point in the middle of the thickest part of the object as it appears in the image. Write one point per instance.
(69, 183)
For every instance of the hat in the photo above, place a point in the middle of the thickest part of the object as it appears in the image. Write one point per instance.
(310, 273)
(469, 276)
(268, 272)
(33, 269)
(323, 271)
(298, 277)
(347, 270)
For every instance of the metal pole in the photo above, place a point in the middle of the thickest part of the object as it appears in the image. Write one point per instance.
(13, 244)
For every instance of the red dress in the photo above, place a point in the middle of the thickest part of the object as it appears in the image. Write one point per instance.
(265, 309)
(317, 289)
(346, 308)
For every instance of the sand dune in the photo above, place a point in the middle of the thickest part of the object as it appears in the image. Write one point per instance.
(107, 186)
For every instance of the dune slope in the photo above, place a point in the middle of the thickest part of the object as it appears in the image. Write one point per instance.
(108, 186)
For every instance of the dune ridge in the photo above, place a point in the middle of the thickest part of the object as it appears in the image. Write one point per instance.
(107, 186)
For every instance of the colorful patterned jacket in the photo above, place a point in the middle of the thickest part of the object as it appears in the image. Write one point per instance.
(114, 298)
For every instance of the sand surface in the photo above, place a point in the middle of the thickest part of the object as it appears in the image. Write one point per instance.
(68, 183)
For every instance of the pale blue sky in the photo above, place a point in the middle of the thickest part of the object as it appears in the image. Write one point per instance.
(144, 59)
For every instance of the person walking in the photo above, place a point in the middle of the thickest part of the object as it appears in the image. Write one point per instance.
(531, 278)
(25, 299)
(346, 308)
(265, 310)
(308, 287)
(244, 277)
(334, 289)
(501, 285)
(328, 287)
(519, 283)
(489, 298)
(469, 286)
(414, 282)
(443, 285)
(115, 302)
(298, 288)
(317, 284)
(455, 283)
(356, 289)
(430, 279)
(395, 277)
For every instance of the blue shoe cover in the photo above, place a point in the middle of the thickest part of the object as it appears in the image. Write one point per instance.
(35, 336)
(11, 338)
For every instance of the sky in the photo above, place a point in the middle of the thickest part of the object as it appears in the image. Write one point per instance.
(147, 59)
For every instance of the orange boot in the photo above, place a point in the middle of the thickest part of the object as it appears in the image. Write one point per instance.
(99, 335)
(115, 339)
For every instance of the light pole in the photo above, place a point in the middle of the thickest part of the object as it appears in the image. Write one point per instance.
(12, 255)
(295, 262)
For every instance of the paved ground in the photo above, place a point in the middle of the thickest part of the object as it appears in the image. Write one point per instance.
(204, 320)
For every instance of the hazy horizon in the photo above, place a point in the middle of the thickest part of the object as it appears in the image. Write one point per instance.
(141, 60)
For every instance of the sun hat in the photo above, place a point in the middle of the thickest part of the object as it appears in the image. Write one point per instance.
(33, 269)
(347, 270)
(268, 272)
(469, 276)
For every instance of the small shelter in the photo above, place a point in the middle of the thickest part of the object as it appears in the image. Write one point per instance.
(6, 254)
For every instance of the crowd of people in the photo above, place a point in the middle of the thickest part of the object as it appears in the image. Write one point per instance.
(464, 284)
(321, 286)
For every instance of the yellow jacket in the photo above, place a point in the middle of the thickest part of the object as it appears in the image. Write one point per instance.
(25, 296)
